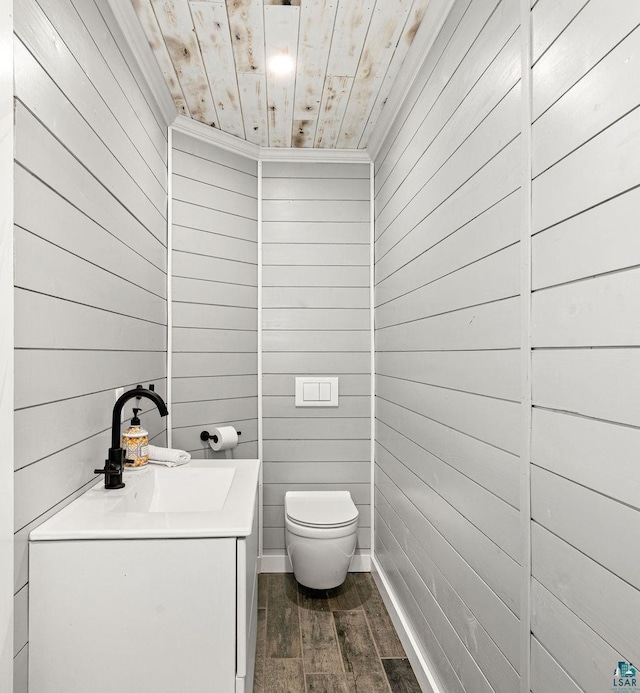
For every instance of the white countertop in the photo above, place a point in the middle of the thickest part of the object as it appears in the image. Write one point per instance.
(220, 496)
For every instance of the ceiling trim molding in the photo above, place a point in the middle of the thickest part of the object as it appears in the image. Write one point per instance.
(234, 144)
(211, 135)
(127, 19)
(435, 16)
(311, 154)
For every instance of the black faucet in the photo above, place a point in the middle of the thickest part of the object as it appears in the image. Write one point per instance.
(114, 465)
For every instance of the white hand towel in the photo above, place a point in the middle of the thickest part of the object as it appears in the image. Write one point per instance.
(168, 456)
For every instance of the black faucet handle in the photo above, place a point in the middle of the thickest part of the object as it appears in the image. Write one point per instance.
(113, 468)
(112, 477)
(109, 468)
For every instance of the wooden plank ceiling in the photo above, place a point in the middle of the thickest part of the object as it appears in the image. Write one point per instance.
(215, 56)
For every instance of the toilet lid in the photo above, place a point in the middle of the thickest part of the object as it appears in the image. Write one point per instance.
(320, 508)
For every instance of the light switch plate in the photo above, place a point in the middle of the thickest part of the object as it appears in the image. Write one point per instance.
(316, 391)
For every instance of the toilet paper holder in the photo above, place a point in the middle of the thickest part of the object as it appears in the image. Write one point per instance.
(204, 436)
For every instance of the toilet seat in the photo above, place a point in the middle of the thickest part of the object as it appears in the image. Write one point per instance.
(324, 525)
(322, 532)
(320, 509)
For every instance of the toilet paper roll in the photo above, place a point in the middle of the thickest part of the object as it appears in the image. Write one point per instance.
(223, 438)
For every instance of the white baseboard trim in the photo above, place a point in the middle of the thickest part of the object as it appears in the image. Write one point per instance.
(360, 563)
(421, 667)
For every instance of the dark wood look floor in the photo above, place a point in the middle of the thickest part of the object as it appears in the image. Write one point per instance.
(334, 641)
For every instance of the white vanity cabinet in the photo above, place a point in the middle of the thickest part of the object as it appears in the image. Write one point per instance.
(143, 615)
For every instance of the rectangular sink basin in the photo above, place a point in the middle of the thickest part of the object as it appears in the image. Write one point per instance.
(201, 499)
(198, 490)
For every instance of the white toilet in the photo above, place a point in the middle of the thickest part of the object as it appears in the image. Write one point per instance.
(320, 532)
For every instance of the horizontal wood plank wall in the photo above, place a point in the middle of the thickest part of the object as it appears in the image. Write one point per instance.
(447, 339)
(586, 339)
(6, 350)
(215, 298)
(90, 257)
(315, 322)
(447, 276)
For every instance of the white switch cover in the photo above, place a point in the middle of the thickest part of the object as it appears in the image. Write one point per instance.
(315, 391)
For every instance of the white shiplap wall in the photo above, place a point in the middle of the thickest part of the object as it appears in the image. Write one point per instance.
(214, 295)
(447, 352)
(315, 321)
(90, 257)
(450, 211)
(6, 347)
(585, 335)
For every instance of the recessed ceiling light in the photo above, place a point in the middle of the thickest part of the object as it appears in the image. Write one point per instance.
(281, 64)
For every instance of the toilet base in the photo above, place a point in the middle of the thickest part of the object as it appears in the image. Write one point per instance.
(320, 564)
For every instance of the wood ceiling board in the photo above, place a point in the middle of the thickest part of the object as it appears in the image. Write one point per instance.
(316, 28)
(411, 27)
(246, 24)
(147, 19)
(281, 24)
(212, 28)
(334, 104)
(384, 32)
(176, 25)
(350, 32)
(253, 97)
